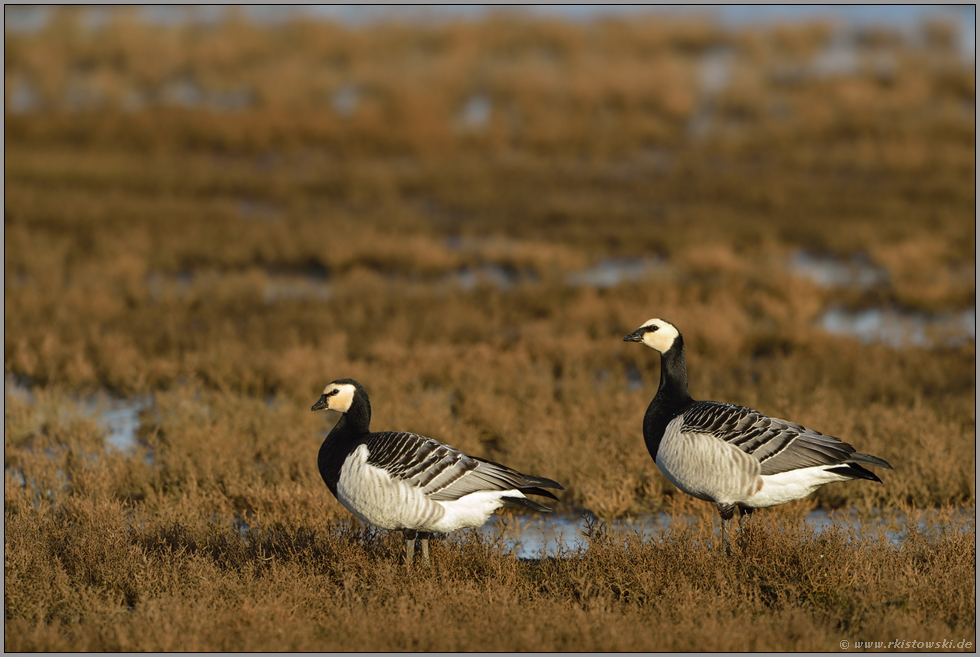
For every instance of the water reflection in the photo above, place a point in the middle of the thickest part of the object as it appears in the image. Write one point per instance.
(502, 277)
(284, 287)
(840, 57)
(345, 101)
(22, 98)
(13, 387)
(716, 72)
(610, 272)
(894, 327)
(475, 114)
(549, 535)
(120, 419)
(902, 328)
(827, 271)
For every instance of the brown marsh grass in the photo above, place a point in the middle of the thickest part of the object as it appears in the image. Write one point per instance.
(87, 570)
(228, 263)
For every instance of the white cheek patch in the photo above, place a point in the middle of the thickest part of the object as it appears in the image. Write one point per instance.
(342, 399)
(663, 338)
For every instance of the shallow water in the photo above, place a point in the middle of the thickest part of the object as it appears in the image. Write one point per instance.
(531, 536)
(906, 18)
(715, 75)
(286, 287)
(610, 272)
(502, 277)
(118, 417)
(902, 328)
(844, 55)
(12, 387)
(345, 100)
(892, 326)
(827, 271)
(475, 114)
(534, 537)
(548, 535)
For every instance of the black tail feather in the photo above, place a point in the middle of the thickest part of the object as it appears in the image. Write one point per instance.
(538, 491)
(854, 471)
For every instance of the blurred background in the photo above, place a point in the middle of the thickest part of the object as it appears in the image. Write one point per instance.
(467, 207)
(212, 212)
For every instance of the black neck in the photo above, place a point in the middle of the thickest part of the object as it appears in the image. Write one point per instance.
(672, 397)
(351, 430)
(358, 416)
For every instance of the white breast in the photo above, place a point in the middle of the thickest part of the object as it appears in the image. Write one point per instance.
(373, 496)
(707, 467)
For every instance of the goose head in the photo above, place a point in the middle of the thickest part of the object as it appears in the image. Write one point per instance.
(338, 396)
(657, 334)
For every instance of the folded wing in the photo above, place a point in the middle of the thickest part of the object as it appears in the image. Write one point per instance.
(780, 445)
(444, 473)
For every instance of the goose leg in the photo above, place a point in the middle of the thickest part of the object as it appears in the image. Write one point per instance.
(727, 512)
(425, 548)
(409, 535)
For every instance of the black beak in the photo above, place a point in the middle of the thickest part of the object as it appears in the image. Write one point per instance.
(635, 336)
(321, 403)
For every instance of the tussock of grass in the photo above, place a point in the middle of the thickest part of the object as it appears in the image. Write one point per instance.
(226, 540)
(93, 574)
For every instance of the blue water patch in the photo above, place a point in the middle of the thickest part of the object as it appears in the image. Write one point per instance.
(906, 18)
(475, 113)
(551, 535)
(610, 272)
(120, 419)
(902, 328)
(857, 272)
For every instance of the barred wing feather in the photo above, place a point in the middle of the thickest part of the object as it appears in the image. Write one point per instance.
(780, 445)
(439, 471)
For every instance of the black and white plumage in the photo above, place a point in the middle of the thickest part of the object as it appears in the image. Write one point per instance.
(732, 455)
(404, 481)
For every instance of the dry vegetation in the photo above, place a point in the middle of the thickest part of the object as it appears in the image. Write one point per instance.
(230, 261)
(91, 574)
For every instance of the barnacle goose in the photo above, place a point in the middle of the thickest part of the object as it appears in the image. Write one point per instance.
(400, 480)
(732, 455)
